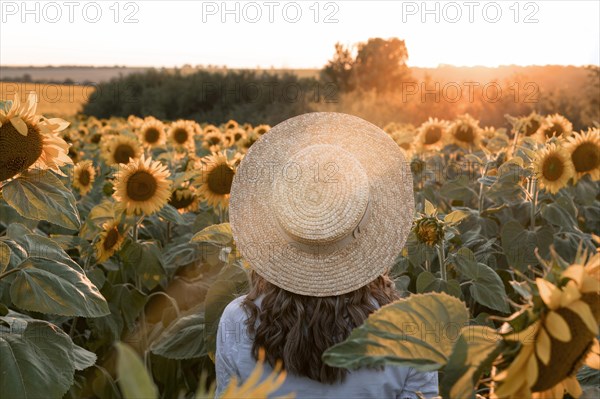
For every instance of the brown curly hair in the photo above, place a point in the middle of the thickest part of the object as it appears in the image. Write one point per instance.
(297, 329)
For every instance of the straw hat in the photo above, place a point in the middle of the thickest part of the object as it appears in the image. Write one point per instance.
(322, 204)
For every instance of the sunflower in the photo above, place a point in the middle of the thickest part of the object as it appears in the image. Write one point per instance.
(30, 141)
(210, 129)
(213, 141)
(110, 241)
(231, 124)
(238, 134)
(555, 346)
(142, 186)
(553, 167)
(530, 124)
(261, 129)
(181, 135)
(584, 149)
(184, 199)
(554, 126)
(431, 135)
(217, 175)
(429, 230)
(152, 133)
(135, 122)
(84, 175)
(465, 132)
(247, 142)
(404, 138)
(119, 149)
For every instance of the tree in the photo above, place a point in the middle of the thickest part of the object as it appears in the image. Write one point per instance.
(339, 69)
(381, 65)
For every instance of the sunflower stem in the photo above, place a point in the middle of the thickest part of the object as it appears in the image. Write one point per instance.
(442, 260)
(534, 197)
(481, 197)
(515, 141)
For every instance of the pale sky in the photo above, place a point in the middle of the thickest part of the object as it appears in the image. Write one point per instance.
(174, 33)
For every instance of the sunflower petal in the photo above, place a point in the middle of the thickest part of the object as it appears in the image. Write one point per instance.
(543, 347)
(532, 371)
(575, 273)
(549, 293)
(585, 313)
(570, 294)
(572, 386)
(18, 123)
(593, 360)
(558, 327)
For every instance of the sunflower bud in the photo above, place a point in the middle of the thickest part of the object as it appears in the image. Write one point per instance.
(429, 230)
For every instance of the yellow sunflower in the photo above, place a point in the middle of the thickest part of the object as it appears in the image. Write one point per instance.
(217, 175)
(213, 141)
(431, 135)
(119, 149)
(152, 133)
(530, 124)
(135, 122)
(181, 135)
(554, 347)
(261, 129)
(584, 149)
(465, 132)
(110, 241)
(247, 142)
(210, 129)
(84, 175)
(142, 186)
(554, 126)
(553, 168)
(238, 135)
(404, 138)
(30, 141)
(231, 124)
(185, 199)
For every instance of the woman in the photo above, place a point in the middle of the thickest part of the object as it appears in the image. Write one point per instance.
(320, 208)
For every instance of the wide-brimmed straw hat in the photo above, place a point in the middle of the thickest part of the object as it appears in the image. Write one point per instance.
(322, 204)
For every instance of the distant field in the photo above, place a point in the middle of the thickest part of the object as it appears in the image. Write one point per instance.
(58, 100)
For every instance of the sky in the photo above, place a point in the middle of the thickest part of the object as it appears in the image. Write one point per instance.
(301, 34)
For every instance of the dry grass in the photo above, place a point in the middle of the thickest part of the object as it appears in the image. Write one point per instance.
(56, 100)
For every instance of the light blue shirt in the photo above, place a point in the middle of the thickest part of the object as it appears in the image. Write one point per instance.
(234, 358)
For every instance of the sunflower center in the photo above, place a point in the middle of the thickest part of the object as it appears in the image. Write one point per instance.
(180, 136)
(553, 168)
(567, 357)
(17, 153)
(433, 135)
(151, 136)
(123, 152)
(465, 134)
(586, 157)
(555, 130)
(96, 138)
(261, 130)
(220, 178)
(214, 140)
(84, 177)
(112, 237)
(237, 136)
(532, 127)
(141, 186)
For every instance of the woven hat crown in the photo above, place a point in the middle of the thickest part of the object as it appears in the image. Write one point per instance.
(321, 196)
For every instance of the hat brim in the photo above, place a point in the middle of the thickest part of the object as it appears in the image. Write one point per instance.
(264, 246)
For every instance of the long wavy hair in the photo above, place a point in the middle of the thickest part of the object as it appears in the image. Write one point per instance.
(297, 329)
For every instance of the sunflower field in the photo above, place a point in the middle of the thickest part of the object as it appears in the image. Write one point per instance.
(117, 260)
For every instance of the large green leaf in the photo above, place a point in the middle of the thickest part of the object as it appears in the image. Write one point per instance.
(418, 332)
(219, 234)
(40, 195)
(134, 380)
(473, 354)
(487, 287)
(231, 283)
(44, 247)
(48, 286)
(143, 260)
(182, 339)
(4, 256)
(82, 358)
(427, 282)
(561, 213)
(37, 360)
(519, 244)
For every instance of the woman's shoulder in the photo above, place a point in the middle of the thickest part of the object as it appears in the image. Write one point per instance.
(234, 311)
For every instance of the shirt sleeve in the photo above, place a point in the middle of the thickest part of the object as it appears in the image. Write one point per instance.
(224, 355)
(425, 383)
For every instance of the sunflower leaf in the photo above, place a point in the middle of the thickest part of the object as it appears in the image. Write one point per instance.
(40, 195)
(134, 380)
(413, 332)
(49, 286)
